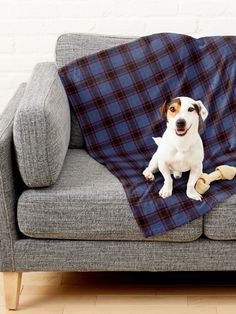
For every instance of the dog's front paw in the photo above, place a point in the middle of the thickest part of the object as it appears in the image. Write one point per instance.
(193, 194)
(165, 191)
(148, 175)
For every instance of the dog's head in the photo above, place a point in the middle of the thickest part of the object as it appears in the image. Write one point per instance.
(183, 113)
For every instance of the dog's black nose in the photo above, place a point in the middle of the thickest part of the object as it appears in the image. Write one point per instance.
(181, 123)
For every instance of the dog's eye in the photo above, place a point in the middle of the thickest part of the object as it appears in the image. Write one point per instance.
(172, 109)
(190, 109)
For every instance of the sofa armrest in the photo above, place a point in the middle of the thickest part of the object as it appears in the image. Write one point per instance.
(41, 129)
(10, 183)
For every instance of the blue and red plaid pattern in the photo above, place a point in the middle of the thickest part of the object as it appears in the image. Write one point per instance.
(116, 95)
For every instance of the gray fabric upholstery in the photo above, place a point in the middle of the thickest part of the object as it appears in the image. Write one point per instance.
(72, 46)
(10, 184)
(87, 202)
(42, 127)
(220, 222)
(51, 255)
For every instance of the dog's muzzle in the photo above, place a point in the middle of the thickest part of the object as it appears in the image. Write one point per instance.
(181, 127)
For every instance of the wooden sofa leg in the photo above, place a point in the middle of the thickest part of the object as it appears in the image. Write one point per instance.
(12, 287)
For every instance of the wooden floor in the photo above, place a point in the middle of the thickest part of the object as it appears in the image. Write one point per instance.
(131, 293)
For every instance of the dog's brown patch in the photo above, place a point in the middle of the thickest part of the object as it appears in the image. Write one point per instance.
(197, 109)
(174, 108)
(164, 108)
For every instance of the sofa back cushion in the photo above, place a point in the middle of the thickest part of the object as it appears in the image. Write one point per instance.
(73, 46)
(41, 129)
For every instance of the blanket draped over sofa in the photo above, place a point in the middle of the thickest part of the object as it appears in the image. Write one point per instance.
(116, 95)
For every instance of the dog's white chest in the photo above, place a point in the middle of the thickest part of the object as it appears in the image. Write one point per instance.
(180, 161)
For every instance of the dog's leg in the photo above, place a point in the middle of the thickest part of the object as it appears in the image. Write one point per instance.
(152, 168)
(193, 177)
(167, 188)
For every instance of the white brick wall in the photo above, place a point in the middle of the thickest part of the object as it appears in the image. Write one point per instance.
(29, 28)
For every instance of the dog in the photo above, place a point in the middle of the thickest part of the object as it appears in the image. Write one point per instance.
(180, 149)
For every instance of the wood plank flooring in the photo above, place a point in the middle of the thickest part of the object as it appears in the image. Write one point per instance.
(126, 293)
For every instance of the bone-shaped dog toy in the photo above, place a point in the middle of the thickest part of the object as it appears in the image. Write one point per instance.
(223, 172)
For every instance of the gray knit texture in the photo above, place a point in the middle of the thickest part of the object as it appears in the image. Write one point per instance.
(10, 184)
(73, 46)
(51, 255)
(220, 222)
(87, 202)
(42, 127)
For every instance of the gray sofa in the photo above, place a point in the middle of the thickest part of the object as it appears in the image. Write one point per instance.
(72, 214)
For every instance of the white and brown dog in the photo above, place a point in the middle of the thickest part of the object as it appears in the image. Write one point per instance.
(180, 148)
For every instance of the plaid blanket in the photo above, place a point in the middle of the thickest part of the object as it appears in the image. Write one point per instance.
(116, 95)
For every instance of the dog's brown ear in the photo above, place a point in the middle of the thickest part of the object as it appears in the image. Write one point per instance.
(164, 108)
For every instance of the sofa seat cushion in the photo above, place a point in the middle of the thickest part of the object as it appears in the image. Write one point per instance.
(87, 202)
(220, 222)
